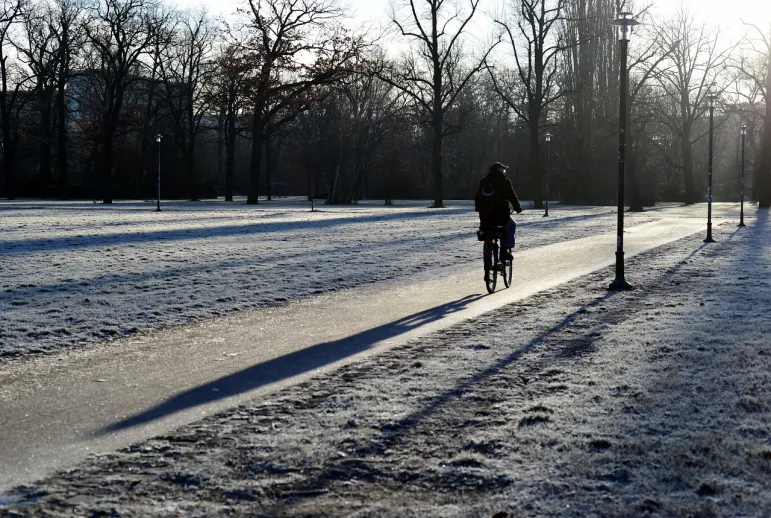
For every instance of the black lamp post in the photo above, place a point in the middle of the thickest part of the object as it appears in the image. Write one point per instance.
(741, 217)
(158, 138)
(708, 239)
(625, 21)
(548, 168)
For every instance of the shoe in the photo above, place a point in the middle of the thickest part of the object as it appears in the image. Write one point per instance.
(506, 256)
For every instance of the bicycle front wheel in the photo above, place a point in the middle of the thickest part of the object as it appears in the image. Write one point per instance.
(507, 272)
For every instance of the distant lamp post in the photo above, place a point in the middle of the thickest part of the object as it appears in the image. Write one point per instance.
(158, 139)
(548, 168)
(743, 131)
(708, 239)
(625, 21)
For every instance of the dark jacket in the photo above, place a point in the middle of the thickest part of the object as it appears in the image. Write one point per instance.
(505, 192)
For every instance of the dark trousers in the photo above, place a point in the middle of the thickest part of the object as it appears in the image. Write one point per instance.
(511, 230)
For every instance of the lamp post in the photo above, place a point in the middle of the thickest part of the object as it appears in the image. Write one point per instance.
(548, 168)
(158, 138)
(708, 239)
(625, 21)
(743, 130)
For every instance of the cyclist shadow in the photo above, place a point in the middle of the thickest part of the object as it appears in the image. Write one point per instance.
(293, 364)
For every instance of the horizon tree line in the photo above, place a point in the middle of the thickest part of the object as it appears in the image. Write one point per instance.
(283, 96)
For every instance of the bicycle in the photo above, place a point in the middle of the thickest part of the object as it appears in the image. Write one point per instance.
(491, 236)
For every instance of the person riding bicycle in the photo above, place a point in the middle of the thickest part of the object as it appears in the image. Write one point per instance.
(492, 202)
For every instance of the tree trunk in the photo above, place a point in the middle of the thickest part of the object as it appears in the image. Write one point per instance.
(690, 194)
(9, 162)
(764, 172)
(190, 149)
(358, 179)
(61, 138)
(308, 174)
(635, 200)
(221, 121)
(190, 170)
(230, 159)
(436, 161)
(106, 166)
(437, 120)
(536, 178)
(584, 178)
(630, 168)
(44, 146)
(258, 137)
(268, 167)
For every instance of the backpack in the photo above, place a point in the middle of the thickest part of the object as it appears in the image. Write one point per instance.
(485, 201)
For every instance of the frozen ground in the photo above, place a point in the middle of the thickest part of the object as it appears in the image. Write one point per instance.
(573, 402)
(75, 272)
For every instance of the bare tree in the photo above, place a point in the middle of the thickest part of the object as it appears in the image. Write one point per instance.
(433, 73)
(229, 85)
(68, 30)
(697, 70)
(37, 48)
(12, 80)
(531, 89)
(119, 33)
(591, 75)
(186, 70)
(296, 45)
(759, 77)
(372, 102)
(645, 63)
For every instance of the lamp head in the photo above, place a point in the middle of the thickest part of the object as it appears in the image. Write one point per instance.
(743, 129)
(712, 100)
(548, 137)
(158, 138)
(625, 21)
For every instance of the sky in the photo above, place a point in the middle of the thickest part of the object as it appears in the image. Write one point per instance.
(725, 14)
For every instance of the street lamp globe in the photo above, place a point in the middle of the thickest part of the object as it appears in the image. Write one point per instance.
(625, 21)
(743, 129)
(158, 138)
(548, 137)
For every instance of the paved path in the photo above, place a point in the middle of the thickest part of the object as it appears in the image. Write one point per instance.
(56, 411)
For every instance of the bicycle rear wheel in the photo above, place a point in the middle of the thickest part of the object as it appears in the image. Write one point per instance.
(490, 257)
(507, 272)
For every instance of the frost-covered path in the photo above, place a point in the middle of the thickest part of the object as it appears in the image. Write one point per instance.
(570, 402)
(59, 411)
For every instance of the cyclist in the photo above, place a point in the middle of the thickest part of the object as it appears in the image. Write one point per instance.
(492, 202)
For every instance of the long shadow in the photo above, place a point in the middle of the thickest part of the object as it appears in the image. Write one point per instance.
(249, 229)
(399, 430)
(558, 219)
(47, 244)
(290, 365)
(67, 286)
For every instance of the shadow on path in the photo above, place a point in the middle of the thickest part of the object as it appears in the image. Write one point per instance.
(292, 364)
(247, 229)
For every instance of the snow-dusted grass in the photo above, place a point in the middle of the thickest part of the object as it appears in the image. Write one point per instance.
(75, 272)
(573, 402)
